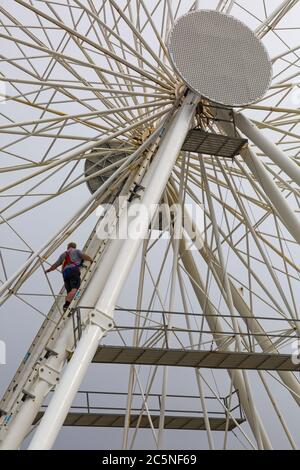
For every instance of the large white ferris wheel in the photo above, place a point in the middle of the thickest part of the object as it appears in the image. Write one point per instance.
(179, 119)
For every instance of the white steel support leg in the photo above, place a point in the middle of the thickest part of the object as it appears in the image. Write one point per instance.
(61, 347)
(31, 406)
(284, 211)
(258, 169)
(154, 182)
(228, 298)
(277, 411)
(214, 323)
(241, 306)
(172, 201)
(73, 376)
(135, 342)
(177, 233)
(268, 147)
(197, 371)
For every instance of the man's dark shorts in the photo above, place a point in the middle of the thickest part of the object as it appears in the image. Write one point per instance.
(72, 278)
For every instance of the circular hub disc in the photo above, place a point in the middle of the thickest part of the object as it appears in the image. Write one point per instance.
(95, 164)
(220, 58)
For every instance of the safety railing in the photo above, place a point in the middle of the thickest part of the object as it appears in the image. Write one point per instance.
(155, 329)
(221, 407)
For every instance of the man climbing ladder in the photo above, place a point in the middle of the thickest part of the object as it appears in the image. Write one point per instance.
(71, 261)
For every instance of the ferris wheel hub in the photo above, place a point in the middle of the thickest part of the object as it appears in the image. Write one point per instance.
(220, 58)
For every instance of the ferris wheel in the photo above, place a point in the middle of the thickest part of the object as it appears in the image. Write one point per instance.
(165, 134)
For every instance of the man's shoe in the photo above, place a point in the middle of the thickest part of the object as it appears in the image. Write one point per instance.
(66, 305)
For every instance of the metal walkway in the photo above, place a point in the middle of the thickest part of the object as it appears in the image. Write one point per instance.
(200, 141)
(198, 359)
(114, 420)
(90, 410)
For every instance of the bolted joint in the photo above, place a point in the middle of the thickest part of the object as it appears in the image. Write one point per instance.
(105, 322)
(49, 375)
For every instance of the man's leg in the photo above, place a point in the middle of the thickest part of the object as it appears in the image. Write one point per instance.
(68, 287)
(73, 286)
(70, 296)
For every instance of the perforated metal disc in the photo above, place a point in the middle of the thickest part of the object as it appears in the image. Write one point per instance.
(220, 58)
(95, 163)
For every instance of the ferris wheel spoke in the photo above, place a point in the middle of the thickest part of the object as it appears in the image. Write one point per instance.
(101, 76)
(287, 111)
(84, 50)
(46, 109)
(275, 17)
(75, 154)
(111, 91)
(106, 52)
(162, 46)
(28, 192)
(28, 304)
(62, 189)
(233, 188)
(125, 45)
(286, 68)
(51, 196)
(24, 56)
(233, 246)
(167, 75)
(262, 125)
(68, 60)
(278, 412)
(24, 242)
(94, 114)
(285, 377)
(239, 382)
(277, 93)
(285, 53)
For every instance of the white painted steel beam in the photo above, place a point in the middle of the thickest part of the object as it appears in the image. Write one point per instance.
(154, 182)
(271, 150)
